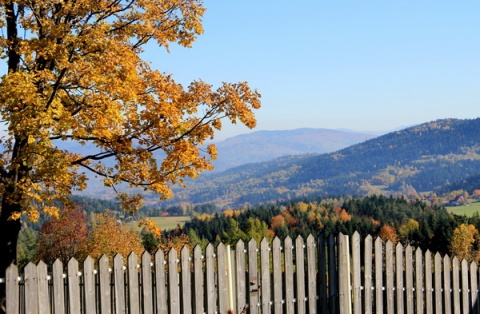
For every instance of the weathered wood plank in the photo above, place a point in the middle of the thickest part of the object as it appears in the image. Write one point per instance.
(210, 279)
(447, 284)
(379, 276)
(356, 274)
(173, 282)
(428, 282)
(368, 275)
(399, 278)
(43, 297)
(105, 288)
(277, 276)
(186, 281)
(389, 271)
(12, 289)
(240, 275)
(147, 287)
(438, 284)
(343, 274)
(160, 285)
(473, 287)
(419, 281)
(265, 277)
(89, 285)
(465, 300)
(73, 287)
(119, 284)
(198, 279)
(133, 287)
(311, 271)
(456, 285)
(289, 293)
(31, 288)
(253, 292)
(409, 279)
(222, 278)
(300, 274)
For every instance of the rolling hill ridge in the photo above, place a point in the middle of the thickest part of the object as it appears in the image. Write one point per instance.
(417, 159)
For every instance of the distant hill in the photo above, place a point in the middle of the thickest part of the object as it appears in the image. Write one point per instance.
(267, 145)
(417, 159)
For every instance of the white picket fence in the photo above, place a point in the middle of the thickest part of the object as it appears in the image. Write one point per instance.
(333, 275)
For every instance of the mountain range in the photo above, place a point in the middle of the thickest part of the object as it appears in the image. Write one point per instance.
(422, 158)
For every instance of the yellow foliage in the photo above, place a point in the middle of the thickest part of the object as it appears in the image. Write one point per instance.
(151, 226)
(78, 77)
(462, 241)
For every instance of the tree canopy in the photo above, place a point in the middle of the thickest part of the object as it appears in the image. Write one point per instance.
(76, 76)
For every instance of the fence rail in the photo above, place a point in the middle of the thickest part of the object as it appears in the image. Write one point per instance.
(332, 275)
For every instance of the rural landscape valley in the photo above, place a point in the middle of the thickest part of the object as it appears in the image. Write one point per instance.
(239, 157)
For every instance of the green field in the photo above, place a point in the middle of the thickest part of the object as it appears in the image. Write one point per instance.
(165, 223)
(465, 210)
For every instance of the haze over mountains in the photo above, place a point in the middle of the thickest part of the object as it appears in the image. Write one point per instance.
(417, 159)
(267, 145)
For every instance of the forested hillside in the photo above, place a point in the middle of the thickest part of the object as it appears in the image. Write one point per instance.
(417, 159)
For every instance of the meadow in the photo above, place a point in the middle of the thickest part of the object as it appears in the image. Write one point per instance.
(165, 223)
(467, 210)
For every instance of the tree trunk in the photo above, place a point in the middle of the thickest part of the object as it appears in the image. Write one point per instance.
(9, 230)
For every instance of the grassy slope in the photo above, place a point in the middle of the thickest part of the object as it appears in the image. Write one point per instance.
(465, 210)
(165, 223)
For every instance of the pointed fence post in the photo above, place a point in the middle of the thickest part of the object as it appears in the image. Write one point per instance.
(399, 278)
(428, 282)
(456, 284)
(447, 284)
(300, 274)
(438, 284)
(173, 284)
(344, 275)
(241, 284)
(198, 279)
(186, 281)
(368, 275)
(222, 278)
(12, 289)
(253, 293)
(73, 287)
(311, 271)
(389, 270)
(265, 271)
(43, 295)
(89, 285)
(147, 288)
(356, 274)
(31, 288)
(419, 280)
(105, 285)
(119, 282)
(289, 293)
(161, 288)
(210, 278)
(277, 276)
(133, 287)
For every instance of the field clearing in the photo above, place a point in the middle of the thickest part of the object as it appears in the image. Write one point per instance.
(165, 223)
(469, 210)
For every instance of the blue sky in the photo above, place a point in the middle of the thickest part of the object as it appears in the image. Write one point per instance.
(360, 65)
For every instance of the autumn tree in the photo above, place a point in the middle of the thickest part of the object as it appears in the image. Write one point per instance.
(388, 233)
(462, 242)
(63, 237)
(75, 76)
(109, 237)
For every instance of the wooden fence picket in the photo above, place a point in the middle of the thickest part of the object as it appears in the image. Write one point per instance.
(311, 272)
(419, 300)
(253, 295)
(265, 276)
(301, 276)
(277, 276)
